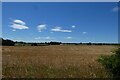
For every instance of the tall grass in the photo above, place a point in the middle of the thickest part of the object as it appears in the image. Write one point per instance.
(54, 61)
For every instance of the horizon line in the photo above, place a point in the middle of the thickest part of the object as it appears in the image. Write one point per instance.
(58, 41)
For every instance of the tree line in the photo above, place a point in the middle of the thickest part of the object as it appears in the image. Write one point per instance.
(7, 42)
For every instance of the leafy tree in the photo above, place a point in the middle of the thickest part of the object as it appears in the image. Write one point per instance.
(54, 43)
(7, 42)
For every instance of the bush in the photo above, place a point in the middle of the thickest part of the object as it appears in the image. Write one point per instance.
(112, 63)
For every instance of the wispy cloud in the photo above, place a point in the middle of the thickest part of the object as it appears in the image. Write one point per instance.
(17, 40)
(18, 24)
(48, 38)
(73, 26)
(69, 37)
(59, 29)
(115, 9)
(13, 30)
(84, 32)
(41, 27)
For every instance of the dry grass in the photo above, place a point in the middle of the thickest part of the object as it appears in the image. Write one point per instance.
(54, 61)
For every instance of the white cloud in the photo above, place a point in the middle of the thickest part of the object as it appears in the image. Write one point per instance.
(59, 29)
(69, 37)
(18, 24)
(41, 27)
(115, 9)
(48, 38)
(84, 32)
(73, 26)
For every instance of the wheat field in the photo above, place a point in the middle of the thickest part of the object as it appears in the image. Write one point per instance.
(54, 61)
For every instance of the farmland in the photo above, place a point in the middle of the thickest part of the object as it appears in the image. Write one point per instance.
(54, 61)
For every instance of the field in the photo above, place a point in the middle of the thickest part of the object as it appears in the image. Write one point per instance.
(60, 61)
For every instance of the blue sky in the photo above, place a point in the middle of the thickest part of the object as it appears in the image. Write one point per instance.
(65, 22)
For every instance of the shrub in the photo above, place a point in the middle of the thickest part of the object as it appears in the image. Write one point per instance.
(112, 63)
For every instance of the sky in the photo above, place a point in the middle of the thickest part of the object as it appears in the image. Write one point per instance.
(60, 0)
(60, 21)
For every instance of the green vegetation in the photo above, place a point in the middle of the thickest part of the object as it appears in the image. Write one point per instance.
(112, 63)
(7, 42)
